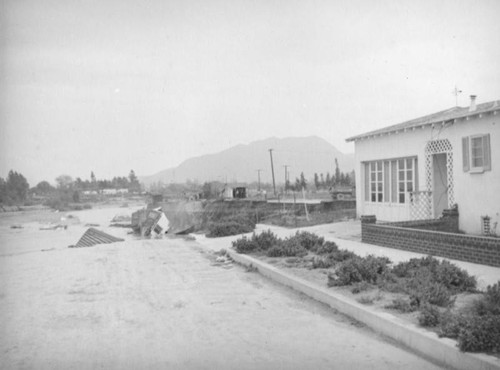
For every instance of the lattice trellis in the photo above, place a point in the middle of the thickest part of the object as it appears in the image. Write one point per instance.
(437, 147)
(420, 205)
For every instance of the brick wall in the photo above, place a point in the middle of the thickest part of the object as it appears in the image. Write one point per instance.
(476, 249)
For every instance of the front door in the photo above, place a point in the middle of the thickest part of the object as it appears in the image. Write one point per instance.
(440, 184)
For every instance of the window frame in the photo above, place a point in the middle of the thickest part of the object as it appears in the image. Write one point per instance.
(473, 168)
(470, 156)
(383, 183)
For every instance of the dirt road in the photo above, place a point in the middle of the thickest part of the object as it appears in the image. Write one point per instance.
(164, 304)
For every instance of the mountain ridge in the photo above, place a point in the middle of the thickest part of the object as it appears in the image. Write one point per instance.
(239, 163)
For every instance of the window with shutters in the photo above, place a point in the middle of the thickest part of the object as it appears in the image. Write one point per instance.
(390, 180)
(476, 153)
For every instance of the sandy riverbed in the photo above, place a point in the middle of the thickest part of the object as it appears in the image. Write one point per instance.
(160, 304)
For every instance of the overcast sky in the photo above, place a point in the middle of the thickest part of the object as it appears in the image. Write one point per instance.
(109, 86)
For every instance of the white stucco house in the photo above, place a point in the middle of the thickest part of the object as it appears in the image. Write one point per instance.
(416, 169)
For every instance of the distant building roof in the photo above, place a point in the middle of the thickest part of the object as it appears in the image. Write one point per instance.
(444, 116)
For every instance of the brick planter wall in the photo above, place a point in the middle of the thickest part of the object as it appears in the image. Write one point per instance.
(476, 249)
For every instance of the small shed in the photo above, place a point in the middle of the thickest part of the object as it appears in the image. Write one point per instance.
(240, 192)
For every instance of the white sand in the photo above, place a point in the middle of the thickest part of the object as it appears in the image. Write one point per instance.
(162, 304)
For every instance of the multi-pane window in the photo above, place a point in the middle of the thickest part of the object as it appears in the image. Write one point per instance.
(476, 144)
(390, 181)
(476, 153)
(405, 178)
(376, 183)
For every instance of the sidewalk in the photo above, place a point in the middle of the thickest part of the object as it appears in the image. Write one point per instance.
(347, 235)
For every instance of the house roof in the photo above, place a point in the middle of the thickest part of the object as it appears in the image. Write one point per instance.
(441, 117)
(93, 237)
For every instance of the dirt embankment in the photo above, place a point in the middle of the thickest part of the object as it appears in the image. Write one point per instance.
(185, 214)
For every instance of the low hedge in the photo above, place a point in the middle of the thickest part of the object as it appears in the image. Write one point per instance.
(230, 227)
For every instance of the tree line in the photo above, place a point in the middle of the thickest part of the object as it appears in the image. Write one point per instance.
(326, 182)
(15, 189)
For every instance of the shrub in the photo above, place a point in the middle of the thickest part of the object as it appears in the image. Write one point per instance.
(493, 294)
(347, 272)
(450, 324)
(358, 269)
(429, 316)
(228, 228)
(245, 245)
(321, 262)
(361, 287)
(369, 299)
(453, 277)
(408, 268)
(327, 247)
(308, 240)
(289, 247)
(266, 240)
(402, 305)
(489, 304)
(56, 203)
(342, 255)
(366, 300)
(423, 289)
(444, 273)
(480, 334)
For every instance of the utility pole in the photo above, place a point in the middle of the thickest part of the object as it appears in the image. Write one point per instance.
(258, 174)
(286, 177)
(272, 170)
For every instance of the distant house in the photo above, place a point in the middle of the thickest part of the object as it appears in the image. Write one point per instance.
(109, 191)
(240, 192)
(227, 193)
(342, 192)
(416, 169)
(90, 192)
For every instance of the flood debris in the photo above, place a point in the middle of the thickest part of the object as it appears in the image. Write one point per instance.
(121, 220)
(93, 237)
(150, 222)
(17, 227)
(55, 227)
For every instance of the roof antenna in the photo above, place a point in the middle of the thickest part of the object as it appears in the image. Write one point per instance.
(455, 92)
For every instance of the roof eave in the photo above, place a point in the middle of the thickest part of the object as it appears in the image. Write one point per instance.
(468, 116)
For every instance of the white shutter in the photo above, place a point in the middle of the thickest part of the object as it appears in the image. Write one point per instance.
(367, 181)
(486, 153)
(465, 153)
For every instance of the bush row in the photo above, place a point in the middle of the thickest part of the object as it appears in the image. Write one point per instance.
(297, 245)
(233, 226)
(475, 327)
(428, 284)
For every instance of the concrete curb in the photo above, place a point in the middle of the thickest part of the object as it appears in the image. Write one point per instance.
(427, 344)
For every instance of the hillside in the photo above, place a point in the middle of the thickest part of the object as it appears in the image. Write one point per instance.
(240, 163)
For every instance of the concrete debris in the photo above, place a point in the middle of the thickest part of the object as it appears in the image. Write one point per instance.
(148, 222)
(93, 237)
(122, 218)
